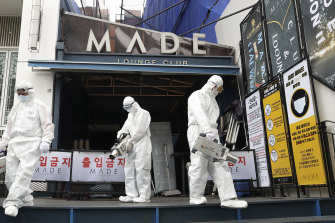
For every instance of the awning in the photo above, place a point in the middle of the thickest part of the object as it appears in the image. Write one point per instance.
(145, 69)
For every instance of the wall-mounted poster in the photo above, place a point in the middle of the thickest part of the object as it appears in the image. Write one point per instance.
(319, 29)
(256, 72)
(256, 136)
(276, 134)
(304, 131)
(283, 40)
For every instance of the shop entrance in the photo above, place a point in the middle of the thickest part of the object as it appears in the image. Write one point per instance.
(90, 107)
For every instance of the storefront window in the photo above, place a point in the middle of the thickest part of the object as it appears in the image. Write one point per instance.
(8, 64)
(3, 60)
(11, 83)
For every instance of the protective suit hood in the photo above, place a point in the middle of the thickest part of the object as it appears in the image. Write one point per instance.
(135, 108)
(214, 86)
(24, 84)
(28, 87)
(130, 105)
(209, 89)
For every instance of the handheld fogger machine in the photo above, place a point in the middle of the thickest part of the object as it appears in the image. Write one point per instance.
(120, 146)
(213, 149)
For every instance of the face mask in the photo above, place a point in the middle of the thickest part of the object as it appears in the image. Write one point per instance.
(132, 109)
(299, 104)
(24, 98)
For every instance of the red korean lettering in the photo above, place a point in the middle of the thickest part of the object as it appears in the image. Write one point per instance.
(110, 162)
(98, 161)
(230, 164)
(43, 160)
(66, 161)
(121, 161)
(86, 162)
(241, 159)
(54, 161)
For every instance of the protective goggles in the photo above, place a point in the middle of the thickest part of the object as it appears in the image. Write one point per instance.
(128, 107)
(219, 89)
(22, 90)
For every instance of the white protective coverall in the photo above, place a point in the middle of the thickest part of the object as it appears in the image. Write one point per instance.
(29, 128)
(138, 161)
(203, 113)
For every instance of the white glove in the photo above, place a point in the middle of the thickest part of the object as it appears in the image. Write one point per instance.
(2, 147)
(44, 147)
(2, 152)
(210, 136)
(129, 146)
(119, 133)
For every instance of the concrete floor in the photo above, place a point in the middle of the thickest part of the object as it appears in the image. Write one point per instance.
(180, 201)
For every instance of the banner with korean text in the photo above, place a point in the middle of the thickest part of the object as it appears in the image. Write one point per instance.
(256, 136)
(304, 131)
(53, 166)
(276, 134)
(97, 167)
(244, 168)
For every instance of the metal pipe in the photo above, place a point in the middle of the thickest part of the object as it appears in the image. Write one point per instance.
(181, 11)
(139, 18)
(82, 5)
(160, 12)
(121, 11)
(227, 16)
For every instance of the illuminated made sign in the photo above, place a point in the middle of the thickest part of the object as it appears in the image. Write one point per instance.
(136, 40)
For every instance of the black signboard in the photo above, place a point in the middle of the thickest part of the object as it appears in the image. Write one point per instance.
(254, 50)
(319, 28)
(83, 34)
(282, 34)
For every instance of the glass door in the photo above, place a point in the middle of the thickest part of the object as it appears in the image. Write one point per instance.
(8, 64)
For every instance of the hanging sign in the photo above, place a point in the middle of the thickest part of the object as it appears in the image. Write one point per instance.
(304, 131)
(256, 136)
(283, 39)
(319, 32)
(276, 134)
(254, 50)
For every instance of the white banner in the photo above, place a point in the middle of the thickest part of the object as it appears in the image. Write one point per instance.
(53, 166)
(256, 136)
(97, 167)
(244, 169)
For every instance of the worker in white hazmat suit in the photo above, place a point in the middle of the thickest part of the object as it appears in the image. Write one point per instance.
(203, 113)
(29, 132)
(138, 160)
